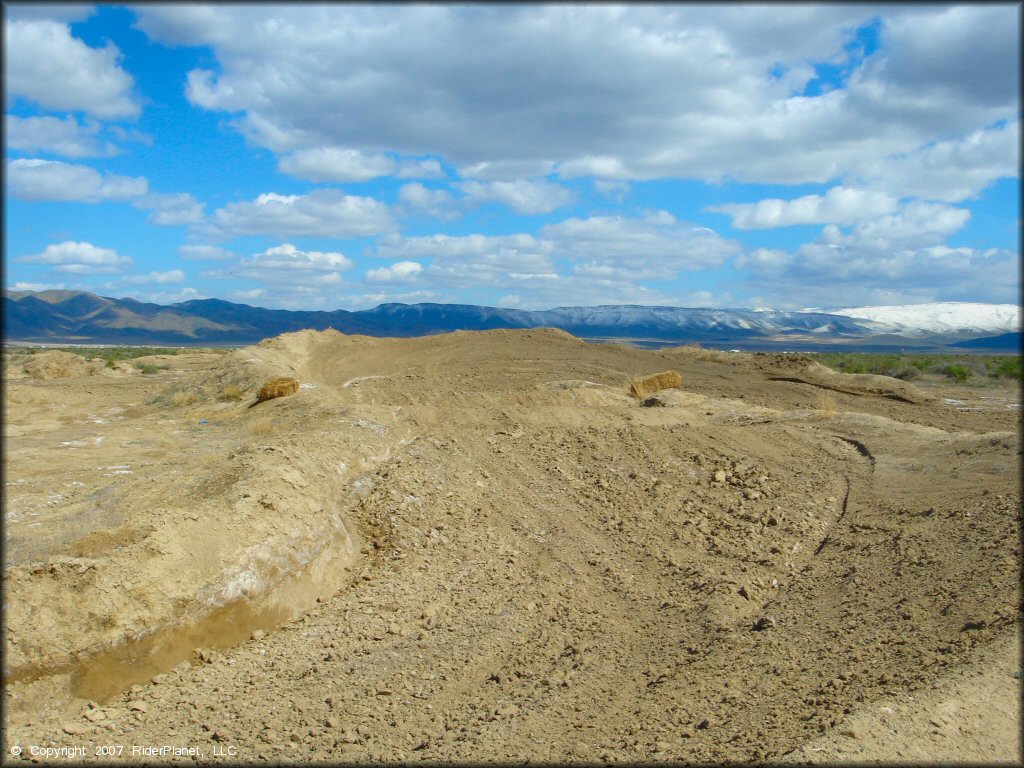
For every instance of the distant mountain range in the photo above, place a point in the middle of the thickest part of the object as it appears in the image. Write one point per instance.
(76, 317)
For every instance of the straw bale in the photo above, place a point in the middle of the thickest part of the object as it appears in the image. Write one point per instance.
(644, 387)
(278, 388)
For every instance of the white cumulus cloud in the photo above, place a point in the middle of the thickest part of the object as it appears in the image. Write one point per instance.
(693, 91)
(609, 256)
(64, 12)
(420, 169)
(950, 171)
(160, 278)
(655, 245)
(471, 260)
(321, 213)
(416, 199)
(916, 223)
(44, 63)
(171, 210)
(505, 170)
(31, 179)
(896, 259)
(605, 167)
(336, 164)
(79, 258)
(24, 286)
(289, 258)
(402, 272)
(288, 277)
(522, 196)
(205, 252)
(840, 205)
(287, 272)
(65, 137)
(614, 189)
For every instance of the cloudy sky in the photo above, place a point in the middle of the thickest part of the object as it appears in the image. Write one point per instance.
(533, 156)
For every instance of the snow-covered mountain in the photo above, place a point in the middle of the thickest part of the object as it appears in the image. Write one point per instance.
(940, 317)
(615, 321)
(667, 322)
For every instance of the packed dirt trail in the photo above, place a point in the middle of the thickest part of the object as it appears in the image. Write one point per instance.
(481, 547)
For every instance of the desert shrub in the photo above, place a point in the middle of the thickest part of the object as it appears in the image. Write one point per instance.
(112, 354)
(1005, 367)
(149, 369)
(976, 365)
(922, 362)
(910, 365)
(858, 364)
(884, 365)
(907, 372)
(958, 372)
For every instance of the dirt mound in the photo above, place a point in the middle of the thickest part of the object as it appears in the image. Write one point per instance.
(803, 369)
(866, 383)
(58, 365)
(122, 367)
(478, 546)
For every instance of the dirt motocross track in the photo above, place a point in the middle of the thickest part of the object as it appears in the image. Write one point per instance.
(480, 547)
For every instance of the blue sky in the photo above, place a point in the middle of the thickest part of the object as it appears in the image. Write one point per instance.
(342, 156)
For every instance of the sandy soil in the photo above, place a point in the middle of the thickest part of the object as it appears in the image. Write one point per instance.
(968, 714)
(479, 547)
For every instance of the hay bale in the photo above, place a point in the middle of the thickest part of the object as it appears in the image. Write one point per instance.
(57, 365)
(644, 387)
(278, 388)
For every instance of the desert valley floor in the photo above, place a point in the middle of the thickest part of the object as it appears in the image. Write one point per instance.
(481, 547)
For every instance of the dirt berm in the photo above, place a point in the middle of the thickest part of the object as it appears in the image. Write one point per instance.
(480, 547)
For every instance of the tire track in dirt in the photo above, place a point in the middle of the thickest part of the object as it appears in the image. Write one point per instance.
(844, 506)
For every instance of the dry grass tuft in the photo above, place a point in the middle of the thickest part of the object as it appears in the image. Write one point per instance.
(183, 397)
(278, 388)
(644, 387)
(231, 392)
(827, 406)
